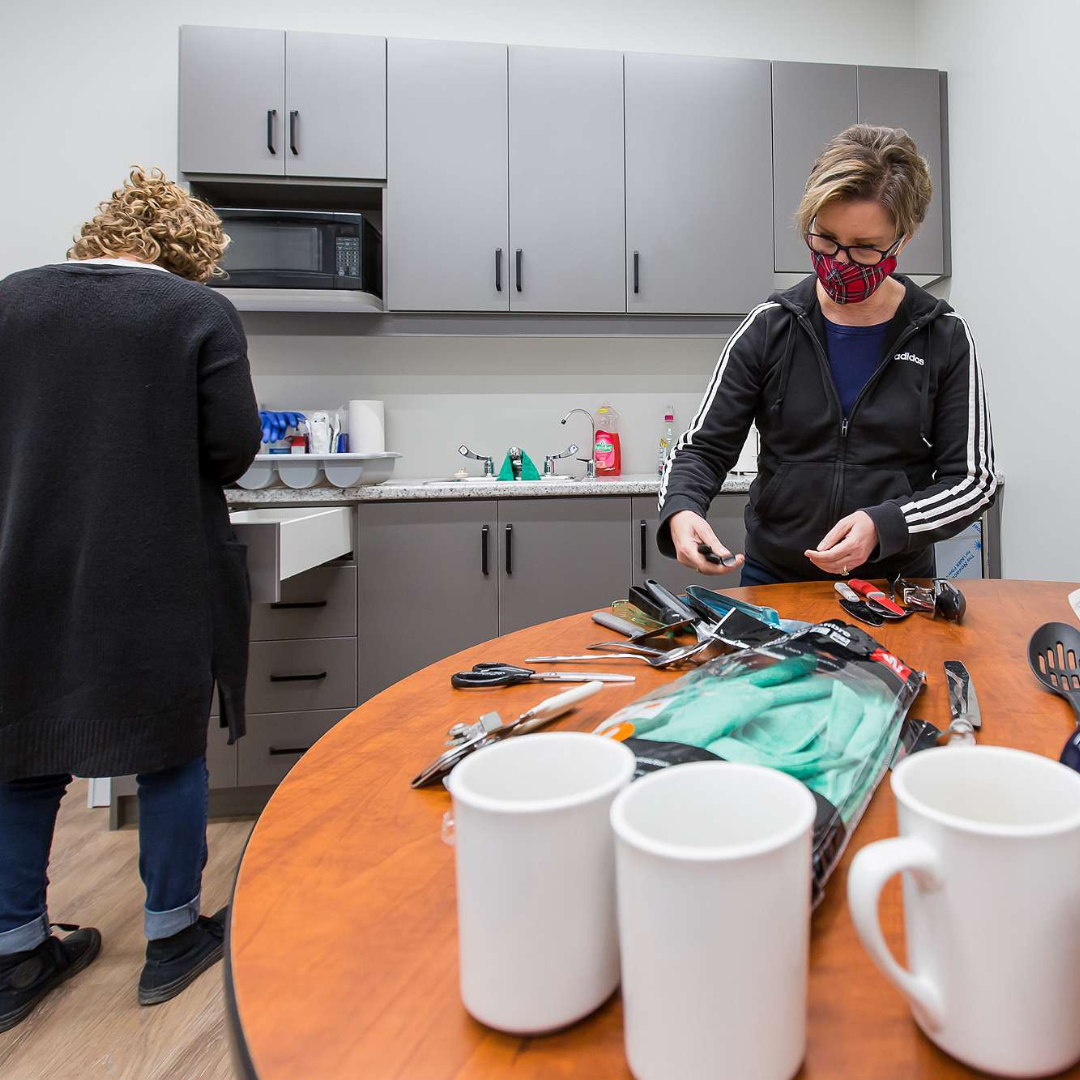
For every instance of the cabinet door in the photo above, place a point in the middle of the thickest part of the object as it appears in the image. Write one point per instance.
(335, 96)
(232, 101)
(560, 556)
(811, 103)
(911, 98)
(446, 159)
(726, 518)
(428, 579)
(698, 184)
(567, 228)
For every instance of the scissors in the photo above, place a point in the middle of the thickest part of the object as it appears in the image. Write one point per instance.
(488, 675)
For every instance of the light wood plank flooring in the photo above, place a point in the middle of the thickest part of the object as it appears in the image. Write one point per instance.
(92, 1026)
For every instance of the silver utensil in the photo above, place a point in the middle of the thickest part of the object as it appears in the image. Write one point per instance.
(658, 660)
(963, 705)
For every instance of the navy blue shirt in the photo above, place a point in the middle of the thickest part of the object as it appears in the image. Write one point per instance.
(854, 353)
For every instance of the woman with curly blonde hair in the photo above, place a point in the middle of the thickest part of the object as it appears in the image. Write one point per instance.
(124, 601)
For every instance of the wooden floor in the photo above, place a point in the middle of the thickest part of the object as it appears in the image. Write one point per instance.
(92, 1026)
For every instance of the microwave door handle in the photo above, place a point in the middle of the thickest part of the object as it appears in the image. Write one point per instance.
(270, 114)
(292, 130)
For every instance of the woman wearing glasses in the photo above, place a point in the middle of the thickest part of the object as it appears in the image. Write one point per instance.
(866, 391)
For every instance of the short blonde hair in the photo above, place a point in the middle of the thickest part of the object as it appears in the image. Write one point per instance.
(867, 162)
(155, 220)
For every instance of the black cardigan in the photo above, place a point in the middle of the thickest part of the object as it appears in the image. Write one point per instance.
(125, 404)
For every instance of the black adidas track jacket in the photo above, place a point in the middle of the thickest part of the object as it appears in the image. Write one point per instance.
(916, 453)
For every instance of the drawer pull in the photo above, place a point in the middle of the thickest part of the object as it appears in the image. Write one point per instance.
(288, 751)
(315, 676)
(292, 604)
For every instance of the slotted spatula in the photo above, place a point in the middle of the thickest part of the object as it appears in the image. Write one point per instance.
(1054, 656)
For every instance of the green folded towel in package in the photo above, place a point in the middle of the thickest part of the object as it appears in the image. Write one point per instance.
(528, 470)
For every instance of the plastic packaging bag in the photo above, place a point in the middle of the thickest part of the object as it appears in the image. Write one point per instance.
(825, 705)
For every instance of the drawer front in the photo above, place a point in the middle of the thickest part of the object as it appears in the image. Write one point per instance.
(300, 676)
(275, 742)
(319, 603)
(220, 762)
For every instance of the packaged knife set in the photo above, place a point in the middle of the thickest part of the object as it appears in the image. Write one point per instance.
(825, 704)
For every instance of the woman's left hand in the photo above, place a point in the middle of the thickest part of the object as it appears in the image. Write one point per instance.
(847, 545)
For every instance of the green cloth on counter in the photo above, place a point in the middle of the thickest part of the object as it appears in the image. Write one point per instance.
(528, 470)
(811, 726)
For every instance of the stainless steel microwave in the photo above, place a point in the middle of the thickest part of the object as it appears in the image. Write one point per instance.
(300, 249)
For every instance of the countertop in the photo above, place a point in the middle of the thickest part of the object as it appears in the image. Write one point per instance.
(411, 490)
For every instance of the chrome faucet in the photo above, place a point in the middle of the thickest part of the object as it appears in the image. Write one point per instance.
(590, 461)
(489, 464)
(550, 459)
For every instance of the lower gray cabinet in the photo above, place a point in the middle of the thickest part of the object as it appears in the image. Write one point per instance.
(428, 585)
(275, 742)
(560, 556)
(313, 673)
(726, 518)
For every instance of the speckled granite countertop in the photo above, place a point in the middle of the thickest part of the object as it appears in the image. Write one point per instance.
(412, 490)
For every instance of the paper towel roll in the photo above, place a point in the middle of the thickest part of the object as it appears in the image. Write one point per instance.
(367, 427)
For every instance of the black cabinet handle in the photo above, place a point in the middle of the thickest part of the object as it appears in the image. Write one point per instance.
(644, 542)
(292, 131)
(509, 550)
(637, 278)
(270, 114)
(498, 269)
(484, 550)
(313, 677)
(517, 268)
(278, 751)
(283, 605)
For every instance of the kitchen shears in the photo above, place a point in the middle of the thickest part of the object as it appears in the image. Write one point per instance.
(484, 676)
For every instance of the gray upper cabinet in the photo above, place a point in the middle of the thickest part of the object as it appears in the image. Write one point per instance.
(811, 103)
(232, 101)
(698, 184)
(428, 585)
(445, 221)
(335, 98)
(566, 180)
(560, 556)
(911, 98)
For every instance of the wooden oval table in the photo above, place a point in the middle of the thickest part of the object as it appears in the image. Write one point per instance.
(342, 951)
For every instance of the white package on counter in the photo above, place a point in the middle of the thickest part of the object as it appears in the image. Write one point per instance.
(367, 427)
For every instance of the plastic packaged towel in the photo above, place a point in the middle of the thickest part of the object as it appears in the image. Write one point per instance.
(825, 705)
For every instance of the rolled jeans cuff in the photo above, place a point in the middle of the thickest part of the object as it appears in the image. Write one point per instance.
(23, 938)
(163, 924)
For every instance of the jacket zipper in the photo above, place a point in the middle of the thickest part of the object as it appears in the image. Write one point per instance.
(845, 421)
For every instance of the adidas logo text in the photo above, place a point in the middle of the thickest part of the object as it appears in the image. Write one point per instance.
(910, 356)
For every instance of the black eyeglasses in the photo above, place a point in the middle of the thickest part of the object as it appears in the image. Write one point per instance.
(864, 256)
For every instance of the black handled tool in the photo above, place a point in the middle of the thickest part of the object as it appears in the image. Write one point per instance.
(712, 557)
(674, 608)
(489, 675)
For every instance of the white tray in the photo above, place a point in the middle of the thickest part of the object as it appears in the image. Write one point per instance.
(305, 470)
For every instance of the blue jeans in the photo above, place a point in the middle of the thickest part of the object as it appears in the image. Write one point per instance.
(172, 851)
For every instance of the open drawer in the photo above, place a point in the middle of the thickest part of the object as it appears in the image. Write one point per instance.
(284, 542)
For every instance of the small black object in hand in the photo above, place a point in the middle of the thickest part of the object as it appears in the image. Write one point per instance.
(712, 557)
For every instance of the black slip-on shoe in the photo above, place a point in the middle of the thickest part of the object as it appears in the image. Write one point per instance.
(26, 977)
(174, 963)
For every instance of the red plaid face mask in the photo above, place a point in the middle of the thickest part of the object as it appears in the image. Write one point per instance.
(850, 283)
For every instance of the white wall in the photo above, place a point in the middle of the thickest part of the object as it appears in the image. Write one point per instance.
(90, 87)
(1014, 169)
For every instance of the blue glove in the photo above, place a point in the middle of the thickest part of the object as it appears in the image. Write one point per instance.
(275, 424)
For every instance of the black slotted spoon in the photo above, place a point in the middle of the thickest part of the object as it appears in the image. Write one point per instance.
(1054, 656)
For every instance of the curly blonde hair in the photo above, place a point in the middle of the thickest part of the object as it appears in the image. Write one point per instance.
(155, 220)
(868, 162)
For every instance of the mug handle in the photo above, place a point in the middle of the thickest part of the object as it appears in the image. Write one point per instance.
(870, 869)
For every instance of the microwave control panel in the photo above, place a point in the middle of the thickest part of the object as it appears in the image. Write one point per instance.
(348, 256)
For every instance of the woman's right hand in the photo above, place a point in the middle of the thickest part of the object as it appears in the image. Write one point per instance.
(688, 531)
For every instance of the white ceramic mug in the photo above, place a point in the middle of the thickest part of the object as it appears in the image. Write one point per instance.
(713, 870)
(990, 840)
(536, 878)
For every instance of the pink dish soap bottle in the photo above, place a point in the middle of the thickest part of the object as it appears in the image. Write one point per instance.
(608, 451)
